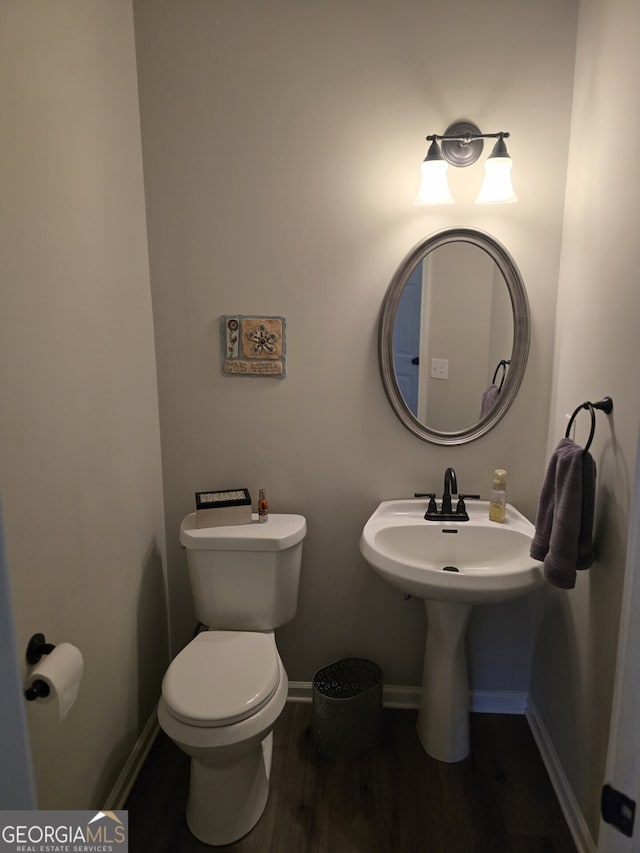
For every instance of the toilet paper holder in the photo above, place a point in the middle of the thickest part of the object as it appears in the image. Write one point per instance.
(36, 648)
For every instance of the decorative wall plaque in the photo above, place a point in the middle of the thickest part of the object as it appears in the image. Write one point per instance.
(253, 345)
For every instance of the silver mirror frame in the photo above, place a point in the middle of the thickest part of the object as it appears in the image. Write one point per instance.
(521, 334)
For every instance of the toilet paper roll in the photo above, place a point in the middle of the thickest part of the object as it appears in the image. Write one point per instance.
(62, 671)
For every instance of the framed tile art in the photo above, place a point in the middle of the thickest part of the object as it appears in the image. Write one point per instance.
(253, 345)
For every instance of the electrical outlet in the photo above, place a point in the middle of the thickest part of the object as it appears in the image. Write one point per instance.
(439, 368)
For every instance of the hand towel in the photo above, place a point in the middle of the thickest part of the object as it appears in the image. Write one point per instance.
(564, 520)
(586, 554)
(489, 399)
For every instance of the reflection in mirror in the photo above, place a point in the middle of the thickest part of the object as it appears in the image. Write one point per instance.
(452, 329)
(454, 336)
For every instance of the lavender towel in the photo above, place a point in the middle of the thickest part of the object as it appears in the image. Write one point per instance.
(564, 521)
(489, 399)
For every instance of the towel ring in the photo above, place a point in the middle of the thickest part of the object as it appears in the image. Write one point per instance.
(605, 405)
(501, 364)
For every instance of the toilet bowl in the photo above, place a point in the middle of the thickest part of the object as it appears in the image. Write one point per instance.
(221, 697)
(222, 694)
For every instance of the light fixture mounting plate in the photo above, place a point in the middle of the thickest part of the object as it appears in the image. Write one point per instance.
(461, 152)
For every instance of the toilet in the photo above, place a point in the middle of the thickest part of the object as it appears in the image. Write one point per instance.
(222, 694)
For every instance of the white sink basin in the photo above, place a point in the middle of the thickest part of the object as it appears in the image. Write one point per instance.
(419, 557)
(492, 559)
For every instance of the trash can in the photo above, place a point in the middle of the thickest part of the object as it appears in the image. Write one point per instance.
(346, 718)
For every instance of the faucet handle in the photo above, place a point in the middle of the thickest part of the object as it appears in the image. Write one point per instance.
(432, 508)
(461, 509)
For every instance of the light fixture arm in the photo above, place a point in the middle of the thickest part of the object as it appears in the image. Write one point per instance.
(462, 142)
(466, 138)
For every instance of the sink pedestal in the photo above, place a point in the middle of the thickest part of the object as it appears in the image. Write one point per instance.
(443, 718)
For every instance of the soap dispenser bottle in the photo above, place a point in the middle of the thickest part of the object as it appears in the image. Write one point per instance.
(498, 502)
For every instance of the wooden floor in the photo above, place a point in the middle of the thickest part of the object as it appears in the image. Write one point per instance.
(394, 799)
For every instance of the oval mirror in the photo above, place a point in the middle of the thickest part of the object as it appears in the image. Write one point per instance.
(454, 336)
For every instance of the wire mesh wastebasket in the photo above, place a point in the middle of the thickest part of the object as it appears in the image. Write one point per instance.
(346, 717)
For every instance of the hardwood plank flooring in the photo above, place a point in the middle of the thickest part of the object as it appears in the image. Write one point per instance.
(393, 799)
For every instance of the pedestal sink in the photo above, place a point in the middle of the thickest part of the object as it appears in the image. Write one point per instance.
(452, 566)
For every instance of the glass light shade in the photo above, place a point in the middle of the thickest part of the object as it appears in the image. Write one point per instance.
(434, 187)
(497, 187)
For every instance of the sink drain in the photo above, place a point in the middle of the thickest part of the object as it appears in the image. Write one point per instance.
(450, 569)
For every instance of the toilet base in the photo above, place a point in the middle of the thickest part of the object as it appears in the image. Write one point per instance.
(226, 800)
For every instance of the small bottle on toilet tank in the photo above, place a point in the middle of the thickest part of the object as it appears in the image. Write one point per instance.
(263, 506)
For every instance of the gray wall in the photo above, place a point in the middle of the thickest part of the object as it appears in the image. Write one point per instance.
(597, 350)
(282, 144)
(80, 470)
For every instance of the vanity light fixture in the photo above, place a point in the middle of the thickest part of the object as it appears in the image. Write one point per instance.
(461, 145)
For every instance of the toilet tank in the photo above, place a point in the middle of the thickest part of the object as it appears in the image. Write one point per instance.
(245, 577)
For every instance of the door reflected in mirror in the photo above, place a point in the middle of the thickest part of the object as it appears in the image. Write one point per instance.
(454, 336)
(453, 330)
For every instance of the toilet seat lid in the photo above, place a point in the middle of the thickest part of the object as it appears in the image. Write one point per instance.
(222, 677)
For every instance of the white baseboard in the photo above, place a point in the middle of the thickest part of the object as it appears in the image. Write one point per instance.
(393, 695)
(400, 696)
(499, 701)
(299, 691)
(133, 766)
(406, 697)
(564, 792)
